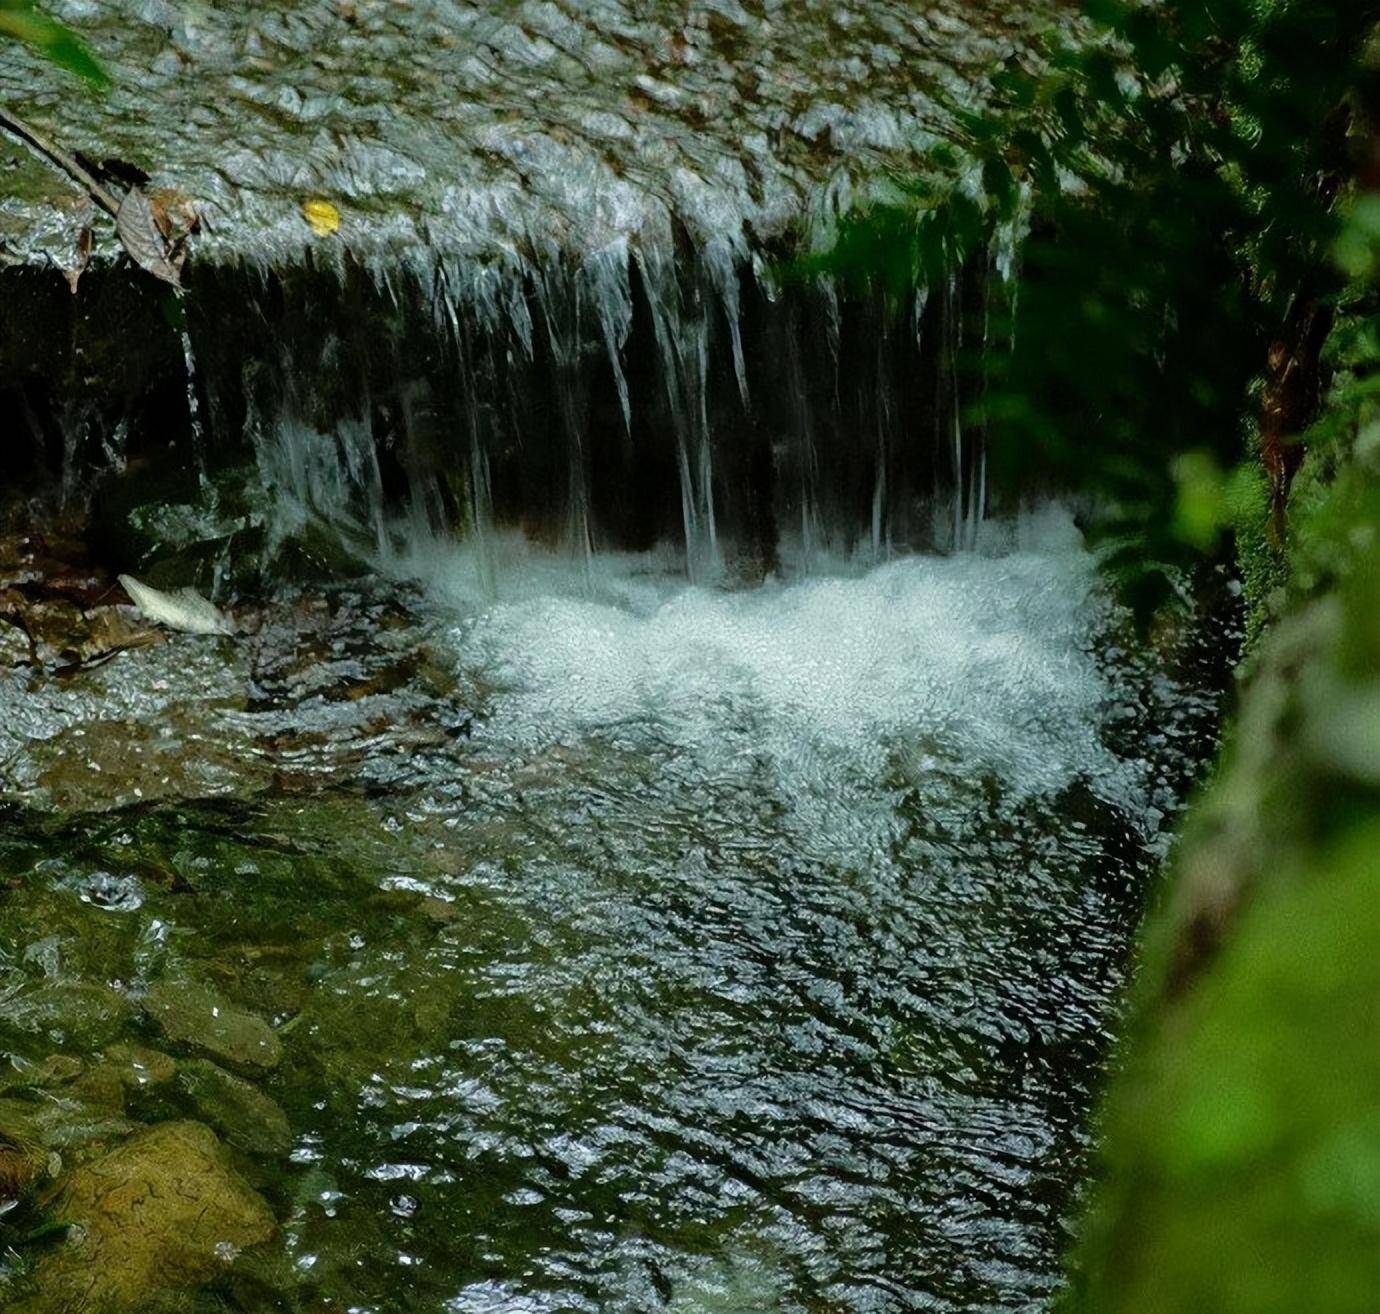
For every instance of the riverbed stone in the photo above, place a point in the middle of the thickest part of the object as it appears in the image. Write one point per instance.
(55, 1070)
(15, 648)
(140, 1066)
(163, 1213)
(24, 1160)
(81, 1013)
(101, 1086)
(63, 1124)
(198, 1017)
(246, 1117)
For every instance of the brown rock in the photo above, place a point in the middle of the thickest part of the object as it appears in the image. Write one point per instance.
(162, 1213)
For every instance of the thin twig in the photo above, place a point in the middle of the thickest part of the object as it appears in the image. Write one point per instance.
(54, 154)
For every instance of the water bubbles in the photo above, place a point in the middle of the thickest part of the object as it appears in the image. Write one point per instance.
(394, 1172)
(108, 891)
(101, 889)
(836, 689)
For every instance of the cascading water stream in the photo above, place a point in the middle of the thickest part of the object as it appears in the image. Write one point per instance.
(708, 832)
(682, 335)
(194, 424)
(654, 826)
(561, 298)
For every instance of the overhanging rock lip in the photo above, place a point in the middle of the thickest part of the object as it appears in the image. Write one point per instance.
(465, 132)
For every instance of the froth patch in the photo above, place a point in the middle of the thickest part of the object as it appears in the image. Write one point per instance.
(828, 688)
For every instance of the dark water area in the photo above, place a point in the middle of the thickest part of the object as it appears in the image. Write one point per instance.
(654, 824)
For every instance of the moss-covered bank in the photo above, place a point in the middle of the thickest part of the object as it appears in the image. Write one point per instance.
(1241, 1139)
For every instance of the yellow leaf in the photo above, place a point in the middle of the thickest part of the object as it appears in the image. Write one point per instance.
(323, 217)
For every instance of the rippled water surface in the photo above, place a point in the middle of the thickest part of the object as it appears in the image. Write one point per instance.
(631, 946)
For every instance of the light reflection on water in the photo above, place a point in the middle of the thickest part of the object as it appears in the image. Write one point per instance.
(735, 953)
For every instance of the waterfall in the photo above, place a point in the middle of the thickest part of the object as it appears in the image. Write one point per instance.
(197, 429)
(606, 276)
(560, 296)
(882, 420)
(617, 400)
(682, 336)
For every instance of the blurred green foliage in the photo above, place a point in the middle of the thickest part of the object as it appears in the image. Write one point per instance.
(1240, 1143)
(1176, 165)
(1242, 1161)
(24, 21)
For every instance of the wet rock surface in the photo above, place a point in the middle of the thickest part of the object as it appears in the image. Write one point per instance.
(189, 1014)
(246, 1117)
(163, 1212)
(84, 1013)
(102, 707)
(139, 1067)
(469, 128)
(59, 611)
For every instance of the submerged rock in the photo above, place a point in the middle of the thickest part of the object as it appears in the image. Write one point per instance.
(140, 1067)
(81, 1013)
(101, 1086)
(247, 1118)
(55, 1070)
(24, 1162)
(162, 1213)
(197, 1017)
(63, 1123)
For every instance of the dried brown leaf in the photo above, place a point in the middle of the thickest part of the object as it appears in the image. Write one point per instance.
(82, 260)
(142, 237)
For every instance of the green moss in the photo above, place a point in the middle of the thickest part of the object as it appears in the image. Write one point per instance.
(1243, 1143)
(1240, 1165)
(1260, 560)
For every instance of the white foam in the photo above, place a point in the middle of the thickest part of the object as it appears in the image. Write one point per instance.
(978, 664)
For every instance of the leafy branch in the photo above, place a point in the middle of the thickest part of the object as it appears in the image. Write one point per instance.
(154, 238)
(1180, 165)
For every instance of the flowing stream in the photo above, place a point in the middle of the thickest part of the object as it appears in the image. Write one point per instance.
(664, 827)
(631, 944)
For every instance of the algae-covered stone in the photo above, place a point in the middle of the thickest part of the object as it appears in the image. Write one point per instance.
(55, 1070)
(63, 1121)
(75, 1012)
(101, 1086)
(141, 1067)
(177, 526)
(195, 1016)
(162, 1213)
(24, 1160)
(247, 1118)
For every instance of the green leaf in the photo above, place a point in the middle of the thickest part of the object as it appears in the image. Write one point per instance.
(19, 19)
